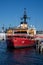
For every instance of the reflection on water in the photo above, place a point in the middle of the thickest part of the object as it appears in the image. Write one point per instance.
(26, 56)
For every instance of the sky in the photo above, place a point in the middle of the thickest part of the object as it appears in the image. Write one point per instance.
(12, 10)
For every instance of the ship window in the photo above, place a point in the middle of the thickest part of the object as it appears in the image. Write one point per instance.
(20, 32)
(20, 36)
(28, 36)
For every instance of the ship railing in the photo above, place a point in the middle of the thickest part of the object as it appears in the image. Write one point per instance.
(9, 36)
(19, 35)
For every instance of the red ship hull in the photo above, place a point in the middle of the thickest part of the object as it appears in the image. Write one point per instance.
(18, 42)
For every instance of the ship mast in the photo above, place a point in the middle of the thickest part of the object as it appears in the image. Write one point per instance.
(3, 28)
(24, 17)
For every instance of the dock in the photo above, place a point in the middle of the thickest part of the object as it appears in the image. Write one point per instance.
(39, 42)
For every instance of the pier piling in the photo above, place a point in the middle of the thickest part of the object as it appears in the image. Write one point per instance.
(39, 46)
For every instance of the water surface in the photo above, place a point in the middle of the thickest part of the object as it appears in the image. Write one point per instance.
(26, 56)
